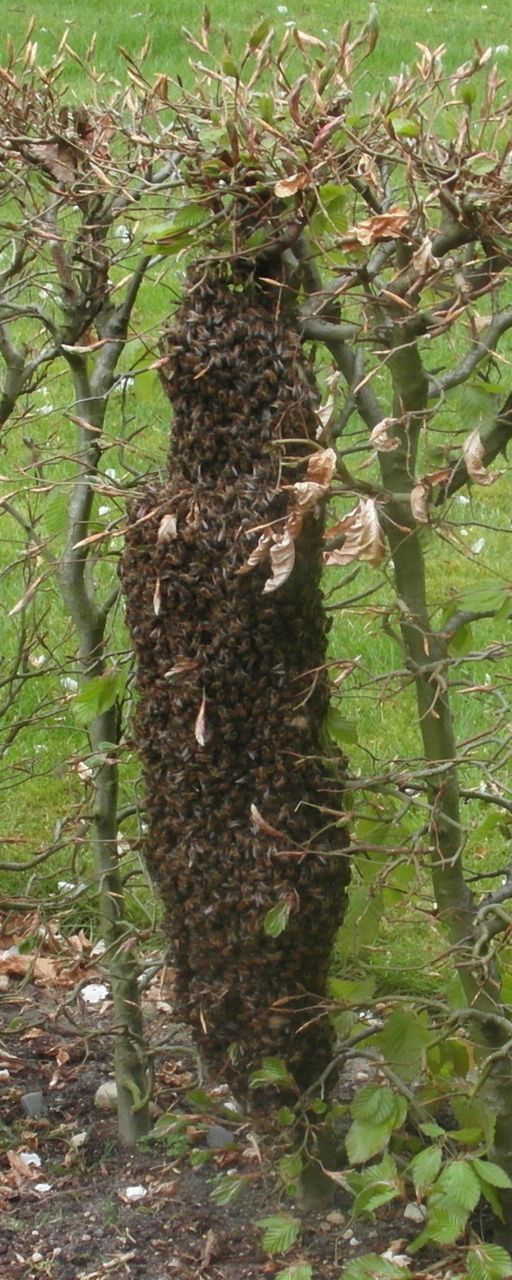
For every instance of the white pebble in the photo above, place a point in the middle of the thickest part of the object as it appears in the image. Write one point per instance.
(30, 1157)
(415, 1212)
(106, 1096)
(136, 1193)
(94, 992)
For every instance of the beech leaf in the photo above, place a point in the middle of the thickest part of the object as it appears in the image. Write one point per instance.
(419, 500)
(383, 226)
(380, 438)
(474, 457)
(364, 539)
(282, 560)
(290, 186)
(167, 530)
(321, 466)
(200, 724)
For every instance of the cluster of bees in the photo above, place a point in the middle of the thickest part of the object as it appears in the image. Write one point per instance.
(233, 690)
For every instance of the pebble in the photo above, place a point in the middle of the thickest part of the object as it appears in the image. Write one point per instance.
(106, 1096)
(33, 1104)
(415, 1212)
(217, 1137)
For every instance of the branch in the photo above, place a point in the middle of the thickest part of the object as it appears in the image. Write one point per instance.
(477, 352)
(15, 376)
(494, 440)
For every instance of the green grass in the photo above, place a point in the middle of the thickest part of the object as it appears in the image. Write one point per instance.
(403, 22)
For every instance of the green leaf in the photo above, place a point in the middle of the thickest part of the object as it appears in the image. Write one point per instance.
(488, 1262)
(432, 1130)
(339, 728)
(462, 641)
(490, 1172)
(190, 215)
(404, 127)
(468, 94)
(280, 1232)
(98, 695)
(302, 1271)
(227, 1189)
(352, 991)
(444, 1226)
(373, 1196)
(56, 514)
(374, 1104)
(365, 1140)
(460, 1184)
(259, 34)
(230, 68)
(272, 1071)
(362, 921)
(425, 1168)
(491, 1195)
(267, 107)
(403, 1041)
(199, 1157)
(276, 919)
(286, 1117)
(371, 1266)
(290, 1166)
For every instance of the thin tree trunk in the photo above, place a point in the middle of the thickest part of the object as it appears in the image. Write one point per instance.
(90, 621)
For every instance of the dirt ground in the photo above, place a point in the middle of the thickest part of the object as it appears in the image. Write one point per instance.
(75, 1206)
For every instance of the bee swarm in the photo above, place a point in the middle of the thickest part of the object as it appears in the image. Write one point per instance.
(233, 691)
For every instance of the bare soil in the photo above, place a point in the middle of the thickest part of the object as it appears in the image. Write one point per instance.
(71, 1213)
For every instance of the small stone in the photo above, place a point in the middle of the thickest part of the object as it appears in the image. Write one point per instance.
(33, 1104)
(218, 1138)
(415, 1212)
(137, 1192)
(336, 1218)
(42, 1187)
(94, 992)
(106, 1096)
(30, 1158)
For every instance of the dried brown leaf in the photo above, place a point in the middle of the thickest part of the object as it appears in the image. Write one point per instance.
(290, 186)
(419, 502)
(424, 259)
(307, 495)
(25, 1172)
(259, 823)
(364, 539)
(200, 724)
(474, 456)
(27, 597)
(259, 553)
(282, 560)
(383, 226)
(181, 668)
(322, 465)
(167, 530)
(380, 438)
(157, 598)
